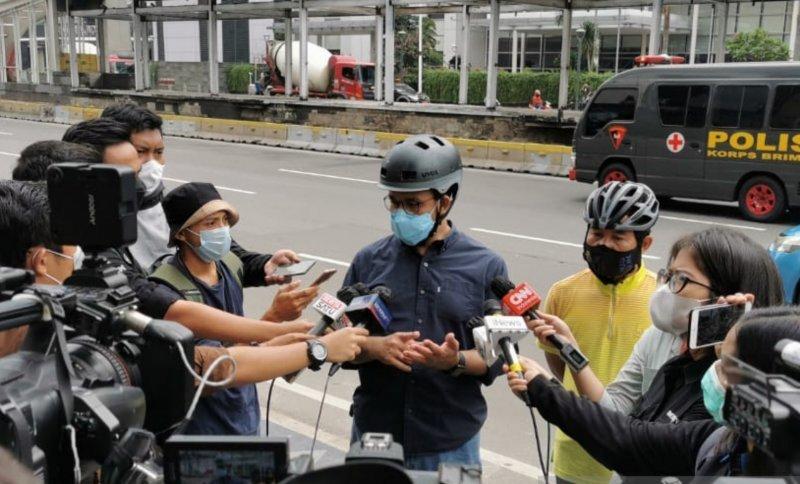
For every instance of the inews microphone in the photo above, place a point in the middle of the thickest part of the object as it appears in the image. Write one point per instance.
(502, 332)
(368, 310)
(522, 300)
(332, 311)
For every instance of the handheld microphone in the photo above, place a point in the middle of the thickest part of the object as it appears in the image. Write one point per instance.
(522, 300)
(332, 311)
(502, 332)
(368, 310)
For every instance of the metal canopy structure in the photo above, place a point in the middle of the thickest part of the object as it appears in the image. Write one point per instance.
(472, 12)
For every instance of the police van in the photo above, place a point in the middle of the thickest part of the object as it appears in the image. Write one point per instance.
(718, 131)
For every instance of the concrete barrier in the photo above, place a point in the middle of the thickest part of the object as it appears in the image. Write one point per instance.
(322, 139)
(473, 152)
(299, 137)
(372, 146)
(275, 134)
(349, 141)
(522, 157)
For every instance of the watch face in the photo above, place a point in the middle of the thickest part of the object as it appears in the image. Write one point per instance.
(319, 351)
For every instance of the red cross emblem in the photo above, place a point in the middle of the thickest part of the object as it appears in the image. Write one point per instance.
(617, 134)
(675, 142)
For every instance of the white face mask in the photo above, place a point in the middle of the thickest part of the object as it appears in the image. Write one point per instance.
(151, 174)
(670, 312)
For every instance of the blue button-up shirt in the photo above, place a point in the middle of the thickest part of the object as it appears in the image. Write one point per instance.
(426, 410)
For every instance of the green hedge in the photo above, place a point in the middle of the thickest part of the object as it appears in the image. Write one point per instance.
(238, 78)
(512, 89)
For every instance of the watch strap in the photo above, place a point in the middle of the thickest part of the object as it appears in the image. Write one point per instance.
(460, 367)
(314, 363)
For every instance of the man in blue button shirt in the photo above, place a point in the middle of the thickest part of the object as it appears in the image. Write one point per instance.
(421, 381)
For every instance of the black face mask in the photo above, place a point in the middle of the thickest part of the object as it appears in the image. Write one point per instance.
(609, 265)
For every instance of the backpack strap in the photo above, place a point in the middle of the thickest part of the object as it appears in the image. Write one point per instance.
(236, 266)
(172, 277)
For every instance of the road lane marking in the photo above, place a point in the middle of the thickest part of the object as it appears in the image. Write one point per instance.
(3, 133)
(709, 222)
(540, 239)
(219, 187)
(6, 153)
(325, 259)
(323, 175)
(306, 430)
(500, 460)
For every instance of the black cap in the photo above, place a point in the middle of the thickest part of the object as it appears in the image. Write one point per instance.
(190, 203)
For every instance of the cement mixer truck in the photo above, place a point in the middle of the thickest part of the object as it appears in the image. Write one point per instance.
(329, 76)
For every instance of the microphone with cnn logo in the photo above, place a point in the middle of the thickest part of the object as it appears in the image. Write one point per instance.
(522, 300)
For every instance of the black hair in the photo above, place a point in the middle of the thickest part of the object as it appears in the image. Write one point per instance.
(99, 133)
(24, 221)
(760, 330)
(733, 263)
(34, 160)
(137, 118)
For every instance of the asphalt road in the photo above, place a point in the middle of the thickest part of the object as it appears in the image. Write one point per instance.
(327, 206)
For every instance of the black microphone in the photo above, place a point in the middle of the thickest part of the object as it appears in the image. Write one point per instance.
(522, 300)
(368, 309)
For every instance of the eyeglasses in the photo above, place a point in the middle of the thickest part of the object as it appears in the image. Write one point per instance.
(409, 206)
(676, 281)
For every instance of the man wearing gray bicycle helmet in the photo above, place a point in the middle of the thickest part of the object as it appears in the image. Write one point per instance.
(605, 306)
(421, 380)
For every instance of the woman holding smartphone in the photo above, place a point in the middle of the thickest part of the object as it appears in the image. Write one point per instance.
(710, 266)
(701, 448)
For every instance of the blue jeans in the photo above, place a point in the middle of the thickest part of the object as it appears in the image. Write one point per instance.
(468, 454)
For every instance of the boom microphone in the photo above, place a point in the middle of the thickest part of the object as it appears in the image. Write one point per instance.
(522, 300)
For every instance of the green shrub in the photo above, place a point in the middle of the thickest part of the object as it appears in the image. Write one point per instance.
(512, 89)
(238, 78)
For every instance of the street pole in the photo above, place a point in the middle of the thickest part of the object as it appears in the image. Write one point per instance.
(419, 56)
(619, 36)
(580, 34)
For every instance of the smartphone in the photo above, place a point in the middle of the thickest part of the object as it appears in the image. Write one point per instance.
(295, 269)
(708, 325)
(322, 278)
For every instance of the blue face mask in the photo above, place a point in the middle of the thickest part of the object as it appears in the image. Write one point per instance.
(411, 229)
(214, 244)
(713, 393)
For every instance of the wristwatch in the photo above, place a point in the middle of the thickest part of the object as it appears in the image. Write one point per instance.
(460, 367)
(317, 354)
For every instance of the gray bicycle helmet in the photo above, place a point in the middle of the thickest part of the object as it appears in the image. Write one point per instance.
(622, 206)
(421, 162)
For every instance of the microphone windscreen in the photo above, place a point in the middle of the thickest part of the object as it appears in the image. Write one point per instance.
(347, 294)
(501, 285)
(384, 292)
(492, 306)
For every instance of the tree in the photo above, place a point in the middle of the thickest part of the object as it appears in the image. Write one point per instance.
(589, 45)
(756, 46)
(406, 44)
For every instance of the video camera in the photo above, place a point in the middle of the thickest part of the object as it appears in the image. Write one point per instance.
(92, 370)
(765, 408)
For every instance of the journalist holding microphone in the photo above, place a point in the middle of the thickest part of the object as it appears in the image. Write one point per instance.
(706, 447)
(426, 393)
